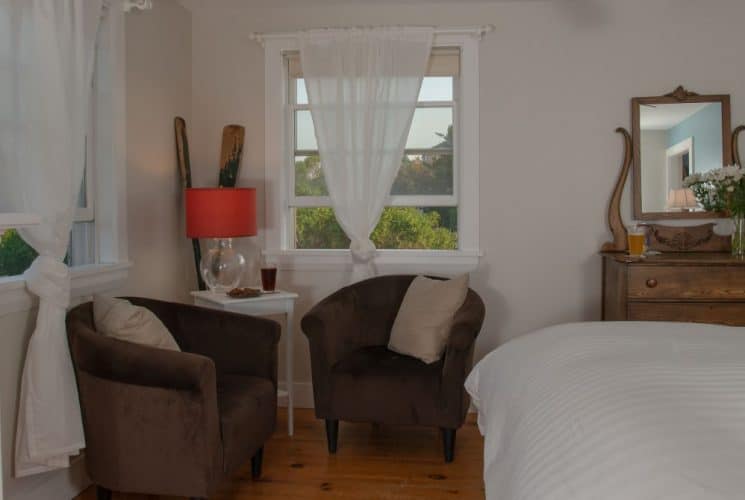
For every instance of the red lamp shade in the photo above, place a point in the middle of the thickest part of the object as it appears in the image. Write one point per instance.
(220, 212)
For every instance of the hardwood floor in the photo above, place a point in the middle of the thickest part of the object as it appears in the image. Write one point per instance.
(372, 462)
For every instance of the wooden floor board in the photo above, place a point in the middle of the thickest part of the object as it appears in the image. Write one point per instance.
(373, 462)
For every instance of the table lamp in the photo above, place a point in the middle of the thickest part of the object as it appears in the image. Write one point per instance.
(682, 199)
(221, 214)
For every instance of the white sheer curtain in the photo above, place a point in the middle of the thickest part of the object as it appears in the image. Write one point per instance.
(362, 88)
(47, 58)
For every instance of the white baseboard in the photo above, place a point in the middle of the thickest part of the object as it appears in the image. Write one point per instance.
(55, 485)
(303, 396)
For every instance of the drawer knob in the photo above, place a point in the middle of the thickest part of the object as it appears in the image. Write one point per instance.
(651, 283)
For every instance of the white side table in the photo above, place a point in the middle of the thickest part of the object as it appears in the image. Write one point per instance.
(278, 302)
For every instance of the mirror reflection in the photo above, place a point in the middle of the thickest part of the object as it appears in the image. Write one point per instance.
(677, 140)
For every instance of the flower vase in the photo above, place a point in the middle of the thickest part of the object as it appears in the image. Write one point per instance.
(738, 235)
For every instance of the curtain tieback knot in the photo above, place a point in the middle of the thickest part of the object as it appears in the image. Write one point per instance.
(50, 280)
(362, 250)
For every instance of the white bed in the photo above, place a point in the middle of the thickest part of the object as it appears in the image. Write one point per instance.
(614, 411)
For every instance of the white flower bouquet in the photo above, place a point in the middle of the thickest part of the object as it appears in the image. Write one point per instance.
(720, 189)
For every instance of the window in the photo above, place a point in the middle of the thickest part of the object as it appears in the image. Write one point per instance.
(432, 208)
(98, 246)
(16, 255)
(422, 212)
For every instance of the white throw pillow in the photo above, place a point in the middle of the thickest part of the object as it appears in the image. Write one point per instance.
(423, 322)
(120, 319)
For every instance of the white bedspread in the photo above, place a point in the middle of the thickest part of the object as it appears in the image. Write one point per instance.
(614, 411)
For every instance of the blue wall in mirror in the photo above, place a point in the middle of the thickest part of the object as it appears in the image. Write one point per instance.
(705, 127)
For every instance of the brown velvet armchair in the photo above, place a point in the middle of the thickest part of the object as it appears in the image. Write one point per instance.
(356, 378)
(175, 423)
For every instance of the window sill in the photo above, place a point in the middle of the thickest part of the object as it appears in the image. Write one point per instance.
(14, 220)
(387, 261)
(86, 280)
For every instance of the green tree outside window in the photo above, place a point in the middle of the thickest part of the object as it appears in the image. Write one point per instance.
(15, 254)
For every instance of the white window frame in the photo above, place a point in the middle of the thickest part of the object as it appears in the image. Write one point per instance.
(105, 188)
(14, 220)
(279, 178)
(86, 213)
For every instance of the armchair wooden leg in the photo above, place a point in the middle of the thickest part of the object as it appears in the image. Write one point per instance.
(103, 493)
(448, 443)
(332, 434)
(256, 463)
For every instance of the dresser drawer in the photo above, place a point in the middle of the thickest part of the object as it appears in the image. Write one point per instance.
(732, 313)
(686, 283)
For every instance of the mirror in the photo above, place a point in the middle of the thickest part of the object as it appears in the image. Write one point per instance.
(674, 136)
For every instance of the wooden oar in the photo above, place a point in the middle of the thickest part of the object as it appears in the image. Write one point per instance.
(184, 166)
(230, 154)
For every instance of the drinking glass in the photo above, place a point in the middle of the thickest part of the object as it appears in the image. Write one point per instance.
(636, 241)
(268, 278)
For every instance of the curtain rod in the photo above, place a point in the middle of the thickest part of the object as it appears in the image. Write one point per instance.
(475, 31)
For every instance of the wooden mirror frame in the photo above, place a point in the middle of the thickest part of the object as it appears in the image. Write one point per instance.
(615, 219)
(678, 96)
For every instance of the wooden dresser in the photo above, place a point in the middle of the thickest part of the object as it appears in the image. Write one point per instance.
(701, 287)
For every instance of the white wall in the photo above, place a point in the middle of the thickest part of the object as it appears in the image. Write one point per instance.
(158, 89)
(15, 330)
(654, 172)
(556, 79)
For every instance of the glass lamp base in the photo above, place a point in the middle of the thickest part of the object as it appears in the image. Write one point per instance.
(222, 267)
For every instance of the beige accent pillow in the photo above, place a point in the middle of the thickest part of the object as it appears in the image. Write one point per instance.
(120, 319)
(423, 322)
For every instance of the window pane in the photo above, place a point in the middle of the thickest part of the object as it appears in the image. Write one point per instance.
(431, 128)
(317, 228)
(432, 228)
(15, 254)
(420, 174)
(428, 173)
(81, 250)
(301, 94)
(83, 193)
(436, 88)
(309, 179)
(305, 135)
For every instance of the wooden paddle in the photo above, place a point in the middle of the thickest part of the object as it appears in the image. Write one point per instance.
(230, 154)
(184, 166)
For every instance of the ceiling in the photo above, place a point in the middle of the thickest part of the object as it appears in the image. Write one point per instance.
(666, 116)
(297, 3)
